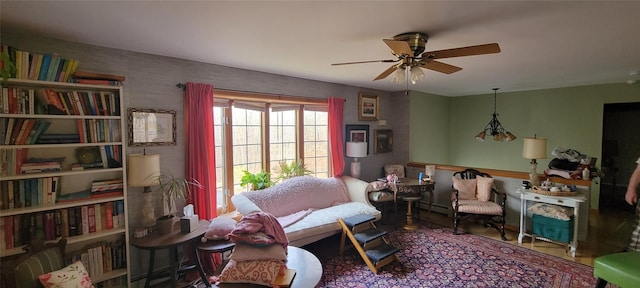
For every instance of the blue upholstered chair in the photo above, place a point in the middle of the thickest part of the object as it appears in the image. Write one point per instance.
(39, 259)
(620, 269)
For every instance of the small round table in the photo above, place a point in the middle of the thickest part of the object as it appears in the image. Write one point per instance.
(410, 225)
(156, 241)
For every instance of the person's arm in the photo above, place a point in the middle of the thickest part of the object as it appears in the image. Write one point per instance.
(632, 189)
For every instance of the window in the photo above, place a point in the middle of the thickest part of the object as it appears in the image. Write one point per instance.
(253, 134)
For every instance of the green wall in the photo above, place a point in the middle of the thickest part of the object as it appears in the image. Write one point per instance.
(429, 129)
(567, 117)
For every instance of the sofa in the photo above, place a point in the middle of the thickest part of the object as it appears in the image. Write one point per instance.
(308, 208)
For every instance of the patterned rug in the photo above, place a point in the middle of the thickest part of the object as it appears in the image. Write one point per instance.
(437, 258)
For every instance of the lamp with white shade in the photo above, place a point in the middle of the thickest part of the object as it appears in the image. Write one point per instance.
(356, 150)
(144, 171)
(534, 148)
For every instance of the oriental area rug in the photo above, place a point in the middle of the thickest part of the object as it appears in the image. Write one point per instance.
(437, 258)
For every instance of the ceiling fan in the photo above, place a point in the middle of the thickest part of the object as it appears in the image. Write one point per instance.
(409, 50)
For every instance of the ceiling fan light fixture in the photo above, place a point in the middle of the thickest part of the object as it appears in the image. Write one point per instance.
(416, 74)
(399, 76)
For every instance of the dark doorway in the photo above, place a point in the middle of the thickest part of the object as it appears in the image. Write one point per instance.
(620, 150)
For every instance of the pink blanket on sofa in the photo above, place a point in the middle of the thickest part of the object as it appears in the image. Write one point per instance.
(298, 194)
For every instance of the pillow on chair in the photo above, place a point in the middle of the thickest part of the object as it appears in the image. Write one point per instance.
(466, 188)
(484, 188)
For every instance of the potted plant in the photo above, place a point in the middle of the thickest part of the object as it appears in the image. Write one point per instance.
(296, 168)
(256, 181)
(171, 189)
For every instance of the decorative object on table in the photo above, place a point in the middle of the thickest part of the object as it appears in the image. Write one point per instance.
(429, 173)
(189, 220)
(494, 127)
(356, 150)
(144, 170)
(257, 181)
(368, 108)
(382, 140)
(172, 188)
(151, 127)
(534, 148)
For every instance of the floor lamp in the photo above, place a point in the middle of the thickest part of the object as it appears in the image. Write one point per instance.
(144, 171)
(356, 150)
(534, 148)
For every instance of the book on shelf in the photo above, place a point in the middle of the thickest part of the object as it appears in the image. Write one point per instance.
(75, 196)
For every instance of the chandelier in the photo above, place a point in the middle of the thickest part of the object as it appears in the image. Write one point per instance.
(494, 128)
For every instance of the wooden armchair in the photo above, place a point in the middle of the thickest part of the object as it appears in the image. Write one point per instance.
(39, 259)
(474, 195)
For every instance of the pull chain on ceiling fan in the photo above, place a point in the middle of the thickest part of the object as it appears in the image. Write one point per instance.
(411, 58)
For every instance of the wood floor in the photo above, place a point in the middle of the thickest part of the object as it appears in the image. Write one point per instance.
(608, 233)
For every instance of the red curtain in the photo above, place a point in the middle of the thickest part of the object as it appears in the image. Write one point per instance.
(199, 151)
(200, 158)
(336, 119)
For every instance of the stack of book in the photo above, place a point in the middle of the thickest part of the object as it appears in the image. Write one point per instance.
(36, 66)
(106, 188)
(39, 167)
(83, 77)
(19, 131)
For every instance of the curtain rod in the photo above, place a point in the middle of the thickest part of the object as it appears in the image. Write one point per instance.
(184, 86)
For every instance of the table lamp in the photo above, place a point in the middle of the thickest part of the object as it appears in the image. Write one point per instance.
(356, 150)
(144, 171)
(534, 148)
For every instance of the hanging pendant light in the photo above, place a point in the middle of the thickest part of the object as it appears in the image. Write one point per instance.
(494, 127)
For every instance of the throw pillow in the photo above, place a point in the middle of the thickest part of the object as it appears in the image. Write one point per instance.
(244, 252)
(484, 188)
(254, 239)
(72, 276)
(466, 188)
(219, 227)
(261, 272)
(376, 186)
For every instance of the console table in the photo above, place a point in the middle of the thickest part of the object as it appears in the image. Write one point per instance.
(568, 201)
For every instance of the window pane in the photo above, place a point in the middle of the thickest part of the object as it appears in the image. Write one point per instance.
(316, 145)
(247, 143)
(218, 137)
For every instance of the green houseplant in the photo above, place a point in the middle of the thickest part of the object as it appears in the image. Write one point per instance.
(172, 188)
(258, 181)
(294, 169)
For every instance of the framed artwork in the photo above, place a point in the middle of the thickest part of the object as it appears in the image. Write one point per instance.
(356, 133)
(382, 140)
(368, 109)
(151, 127)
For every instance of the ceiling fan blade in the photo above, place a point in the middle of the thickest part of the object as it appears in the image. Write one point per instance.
(387, 72)
(440, 67)
(463, 51)
(399, 47)
(360, 62)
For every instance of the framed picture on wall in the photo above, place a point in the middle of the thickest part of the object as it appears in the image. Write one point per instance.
(382, 140)
(356, 133)
(151, 127)
(368, 109)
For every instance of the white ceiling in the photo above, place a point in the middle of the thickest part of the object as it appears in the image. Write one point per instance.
(545, 44)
